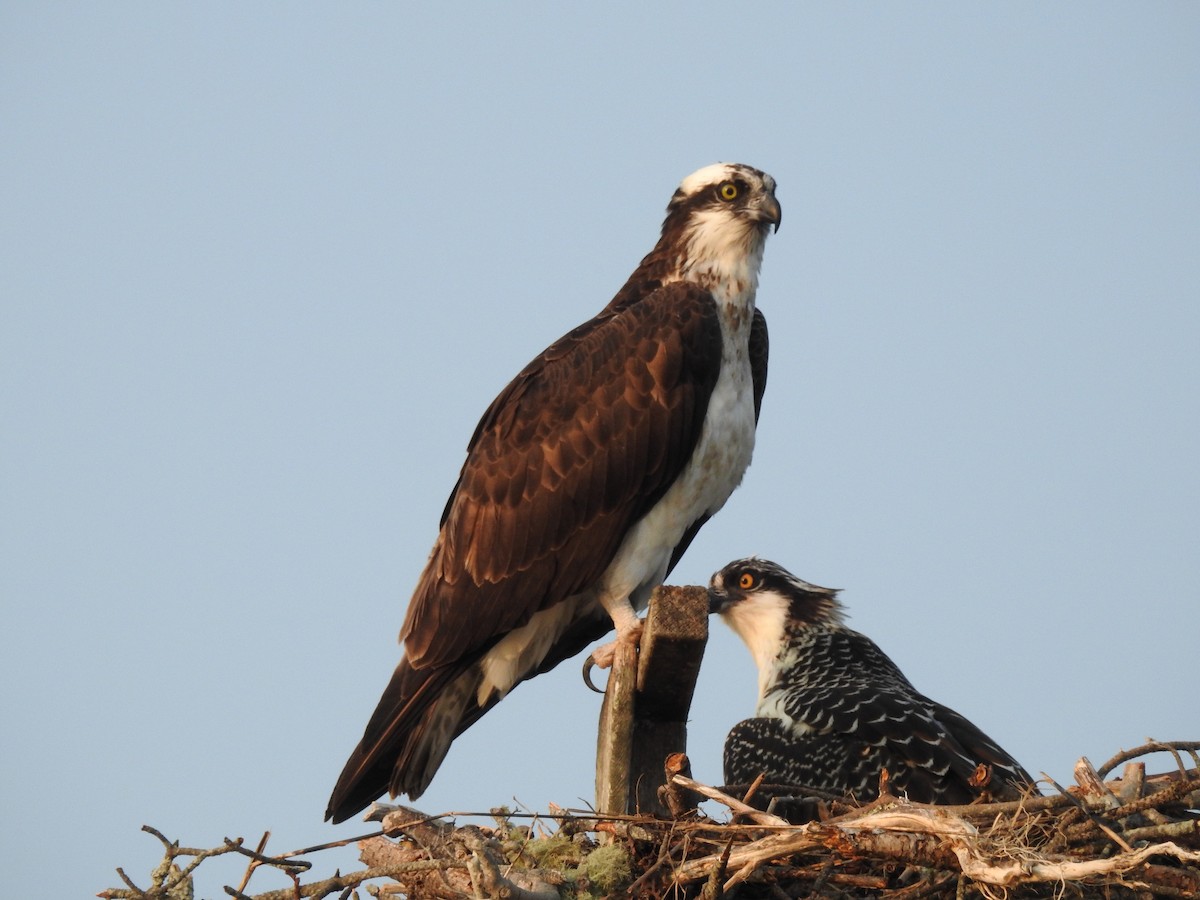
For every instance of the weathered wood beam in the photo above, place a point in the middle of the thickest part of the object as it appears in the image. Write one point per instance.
(646, 703)
(614, 738)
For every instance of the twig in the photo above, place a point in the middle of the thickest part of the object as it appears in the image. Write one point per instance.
(734, 804)
(133, 887)
(331, 845)
(1001, 874)
(324, 888)
(1146, 749)
(1174, 792)
(280, 862)
(1095, 820)
(253, 864)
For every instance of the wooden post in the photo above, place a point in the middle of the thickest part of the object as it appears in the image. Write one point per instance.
(646, 703)
(614, 738)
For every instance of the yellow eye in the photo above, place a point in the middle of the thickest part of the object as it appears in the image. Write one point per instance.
(746, 581)
(728, 191)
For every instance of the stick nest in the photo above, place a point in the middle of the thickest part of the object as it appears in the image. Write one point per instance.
(1128, 836)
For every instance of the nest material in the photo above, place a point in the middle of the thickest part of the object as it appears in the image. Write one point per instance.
(1129, 836)
(1132, 836)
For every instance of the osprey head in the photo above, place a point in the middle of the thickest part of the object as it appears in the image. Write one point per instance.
(717, 225)
(762, 601)
(729, 191)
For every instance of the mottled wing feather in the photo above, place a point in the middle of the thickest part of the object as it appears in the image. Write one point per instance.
(980, 747)
(853, 690)
(833, 763)
(766, 746)
(578, 447)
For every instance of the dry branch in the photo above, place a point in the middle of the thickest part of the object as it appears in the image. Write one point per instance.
(1135, 836)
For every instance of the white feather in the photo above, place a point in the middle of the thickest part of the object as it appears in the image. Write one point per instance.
(524, 648)
(759, 620)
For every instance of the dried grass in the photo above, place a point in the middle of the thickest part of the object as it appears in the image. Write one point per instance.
(1129, 836)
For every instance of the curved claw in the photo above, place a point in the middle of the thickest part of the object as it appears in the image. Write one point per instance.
(588, 665)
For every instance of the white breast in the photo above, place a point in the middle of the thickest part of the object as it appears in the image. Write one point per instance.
(716, 467)
(760, 620)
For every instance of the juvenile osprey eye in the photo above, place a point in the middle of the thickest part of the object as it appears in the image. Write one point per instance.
(746, 581)
(728, 191)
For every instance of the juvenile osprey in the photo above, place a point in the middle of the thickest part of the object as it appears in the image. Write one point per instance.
(833, 709)
(585, 481)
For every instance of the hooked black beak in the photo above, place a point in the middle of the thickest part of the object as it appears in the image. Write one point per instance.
(717, 601)
(772, 211)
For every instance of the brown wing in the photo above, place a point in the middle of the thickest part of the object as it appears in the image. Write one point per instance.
(578, 447)
(760, 347)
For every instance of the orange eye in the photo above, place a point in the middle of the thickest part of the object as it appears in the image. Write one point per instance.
(729, 191)
(746, 581)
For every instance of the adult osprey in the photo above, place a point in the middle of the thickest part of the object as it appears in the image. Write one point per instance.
(585, 481)
(833, 709)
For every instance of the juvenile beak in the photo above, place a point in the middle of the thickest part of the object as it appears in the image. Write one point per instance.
(717, 601)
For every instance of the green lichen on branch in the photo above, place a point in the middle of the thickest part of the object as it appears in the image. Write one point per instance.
(1131, 836)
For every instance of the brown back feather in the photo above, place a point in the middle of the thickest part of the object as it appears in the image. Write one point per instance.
(578, 447)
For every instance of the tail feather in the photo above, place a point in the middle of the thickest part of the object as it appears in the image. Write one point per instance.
(422, 711)
(1010, 778)
(441, 723)
(406, 739)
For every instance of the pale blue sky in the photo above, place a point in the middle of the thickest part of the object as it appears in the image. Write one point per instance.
(265, 265)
